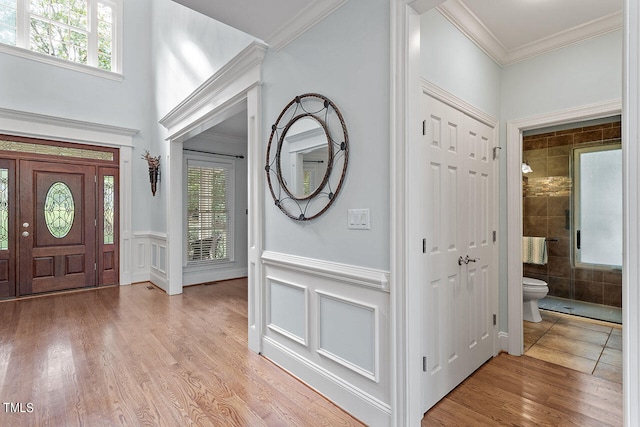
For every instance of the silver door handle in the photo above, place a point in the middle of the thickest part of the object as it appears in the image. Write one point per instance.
(463, 260)
(25, 234)
(468, 260)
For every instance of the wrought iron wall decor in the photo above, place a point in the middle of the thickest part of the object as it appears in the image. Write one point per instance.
(307, 156)
(154, 170)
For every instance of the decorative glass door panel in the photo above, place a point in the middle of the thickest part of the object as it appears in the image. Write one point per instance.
(7, 229)
(57, 226)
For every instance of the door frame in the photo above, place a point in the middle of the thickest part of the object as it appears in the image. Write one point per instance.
(40, 126)
(221, 96)
(515, 128)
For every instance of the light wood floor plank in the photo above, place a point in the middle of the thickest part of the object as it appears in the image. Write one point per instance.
(522, 391)
(135, 356)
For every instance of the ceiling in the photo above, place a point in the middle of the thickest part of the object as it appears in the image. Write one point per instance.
(514, 30)
(507, 30)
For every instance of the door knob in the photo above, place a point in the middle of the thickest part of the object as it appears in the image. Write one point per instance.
(468, 260)
(25, 225)
(25, 234)
(463, 260)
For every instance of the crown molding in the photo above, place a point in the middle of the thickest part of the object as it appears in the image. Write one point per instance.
(248, 61)
(301, 22)
(470, 25)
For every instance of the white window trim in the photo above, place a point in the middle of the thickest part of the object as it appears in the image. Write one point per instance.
(208, 160)
(22, 50)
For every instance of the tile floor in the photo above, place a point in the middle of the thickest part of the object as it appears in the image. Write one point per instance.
(590, 346)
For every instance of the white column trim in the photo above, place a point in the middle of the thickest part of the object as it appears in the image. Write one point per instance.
(514, 200)
(631, 252)
(404, 296)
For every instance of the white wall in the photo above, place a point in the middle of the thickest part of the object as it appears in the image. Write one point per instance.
(36, 87)
(452, 62)
(186, 49)
(578, 75)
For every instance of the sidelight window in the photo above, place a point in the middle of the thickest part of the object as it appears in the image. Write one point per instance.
(109, 206)
(4, 209)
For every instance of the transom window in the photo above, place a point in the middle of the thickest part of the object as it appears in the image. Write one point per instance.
(79, 31)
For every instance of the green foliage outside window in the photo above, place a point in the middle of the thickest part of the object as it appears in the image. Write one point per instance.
(60, 28)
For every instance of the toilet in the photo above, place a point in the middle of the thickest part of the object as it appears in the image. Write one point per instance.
(532, 291)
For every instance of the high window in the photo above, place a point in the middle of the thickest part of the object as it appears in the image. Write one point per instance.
(78, 31)
(210, 213)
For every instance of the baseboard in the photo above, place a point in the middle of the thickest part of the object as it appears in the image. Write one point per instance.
(159, 279)
(212, 275)
(355, 401)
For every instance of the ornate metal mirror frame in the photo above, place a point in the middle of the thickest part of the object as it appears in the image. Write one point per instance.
(307, 167)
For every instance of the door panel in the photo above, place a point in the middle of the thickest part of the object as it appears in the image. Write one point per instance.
(457, 194)
(57, 226)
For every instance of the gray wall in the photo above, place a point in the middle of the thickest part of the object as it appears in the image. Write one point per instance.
(346, 58)
(452, 62)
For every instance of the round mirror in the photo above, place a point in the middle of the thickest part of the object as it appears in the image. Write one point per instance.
(306, 169)
(303, 158)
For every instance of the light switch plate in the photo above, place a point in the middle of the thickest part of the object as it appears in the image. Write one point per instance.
(358, 219)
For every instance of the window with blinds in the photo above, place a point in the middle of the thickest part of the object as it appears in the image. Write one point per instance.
(209, 211)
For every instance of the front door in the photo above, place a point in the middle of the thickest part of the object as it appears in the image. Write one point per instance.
(56, 226)
(459, 267)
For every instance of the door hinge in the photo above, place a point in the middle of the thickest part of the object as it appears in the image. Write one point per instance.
(424, 127)
(495, 320)
(424, 363)
(95, 178)
(495, 152)
(95, 266)
(424, 245)
(95, 223)
(495, 236)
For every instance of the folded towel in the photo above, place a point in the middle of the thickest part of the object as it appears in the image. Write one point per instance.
(534, 250)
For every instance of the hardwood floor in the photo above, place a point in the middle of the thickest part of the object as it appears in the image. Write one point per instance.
(135, 356)
(522, 391)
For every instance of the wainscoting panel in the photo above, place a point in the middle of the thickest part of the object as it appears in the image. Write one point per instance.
(347, 333)
(151, 258)
(287, 310)
(328, 324)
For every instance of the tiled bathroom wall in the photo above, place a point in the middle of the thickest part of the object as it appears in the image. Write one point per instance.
(547, 206)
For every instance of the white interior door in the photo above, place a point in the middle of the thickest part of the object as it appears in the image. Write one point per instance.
(457, 190)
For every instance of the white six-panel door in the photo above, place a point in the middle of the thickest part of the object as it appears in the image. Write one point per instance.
(457, 191)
